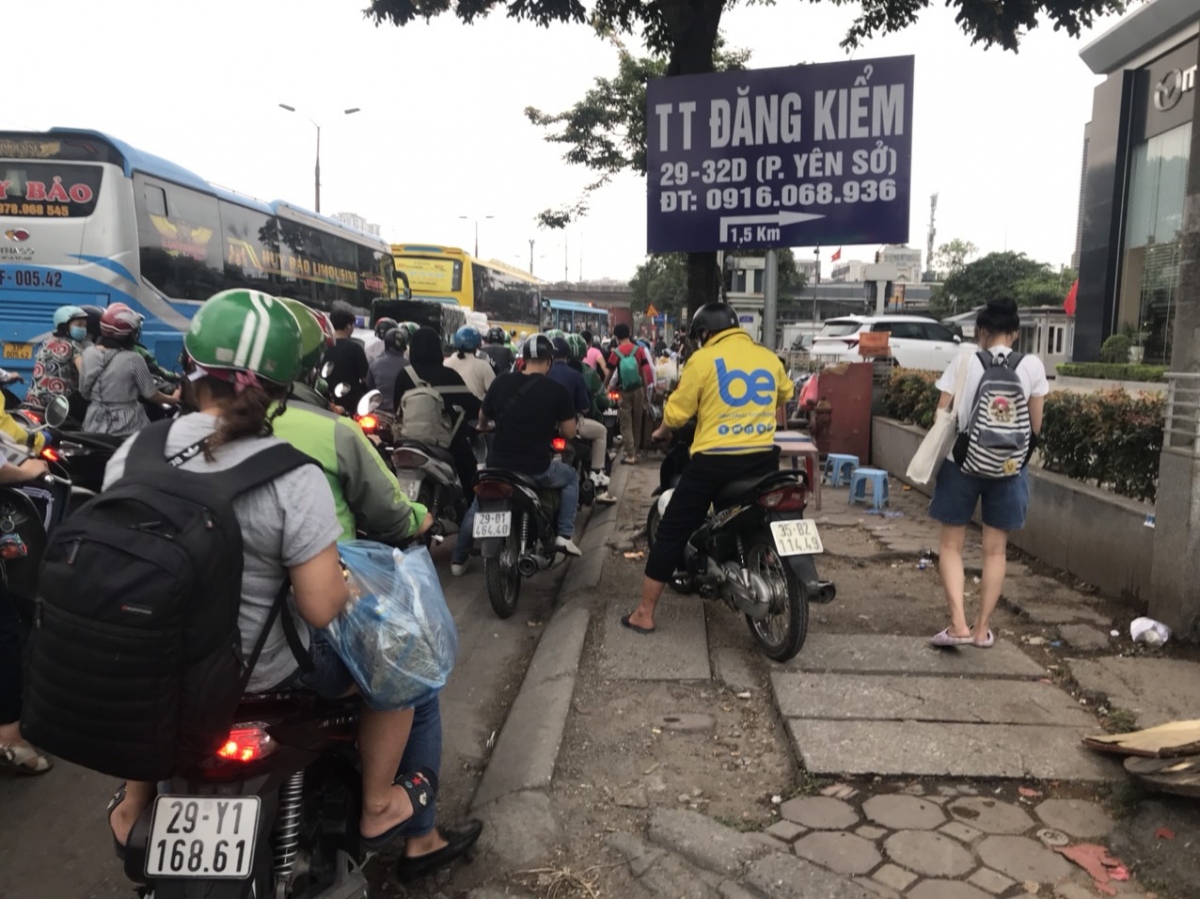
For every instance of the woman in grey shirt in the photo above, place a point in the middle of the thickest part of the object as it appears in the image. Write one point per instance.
(116, 379)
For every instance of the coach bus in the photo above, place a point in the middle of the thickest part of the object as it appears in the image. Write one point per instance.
(89, 220)
(508, 296)
(574, 317)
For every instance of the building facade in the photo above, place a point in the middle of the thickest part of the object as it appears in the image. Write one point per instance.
(356, 221)
(1136, 150)
(906, 259)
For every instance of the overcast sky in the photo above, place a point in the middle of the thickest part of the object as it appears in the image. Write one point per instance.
(441, 133)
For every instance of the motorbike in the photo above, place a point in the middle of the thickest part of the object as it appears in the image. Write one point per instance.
(755, 551)
(515, 529)
(274, 813)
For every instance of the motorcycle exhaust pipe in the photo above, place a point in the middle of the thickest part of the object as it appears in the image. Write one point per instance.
(826, 591)
(530, 565)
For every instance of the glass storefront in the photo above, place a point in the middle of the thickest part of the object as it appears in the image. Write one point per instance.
(1153, 231)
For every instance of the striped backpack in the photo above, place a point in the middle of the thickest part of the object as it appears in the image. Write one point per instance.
(998, 433)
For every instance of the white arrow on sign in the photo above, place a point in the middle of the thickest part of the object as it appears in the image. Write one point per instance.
(775, 218)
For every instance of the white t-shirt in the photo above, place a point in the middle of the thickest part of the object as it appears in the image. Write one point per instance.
(476, 371)
(1030, 371)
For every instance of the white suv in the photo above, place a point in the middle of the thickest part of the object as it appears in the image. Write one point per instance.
(915, 341)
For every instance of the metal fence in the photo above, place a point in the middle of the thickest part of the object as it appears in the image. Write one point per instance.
(1181, 431)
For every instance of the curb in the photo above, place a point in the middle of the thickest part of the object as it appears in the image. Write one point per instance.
(526, 750)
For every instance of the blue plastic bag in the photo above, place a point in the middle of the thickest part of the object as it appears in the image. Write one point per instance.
(396, 635)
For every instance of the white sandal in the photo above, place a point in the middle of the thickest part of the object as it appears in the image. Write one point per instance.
(20, 756)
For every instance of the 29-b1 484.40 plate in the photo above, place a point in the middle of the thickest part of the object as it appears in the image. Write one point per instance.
(202, 836)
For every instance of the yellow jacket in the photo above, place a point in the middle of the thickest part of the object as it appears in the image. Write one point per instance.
(734, 387)
(13, 430)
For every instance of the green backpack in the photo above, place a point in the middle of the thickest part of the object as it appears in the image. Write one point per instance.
(628, 370)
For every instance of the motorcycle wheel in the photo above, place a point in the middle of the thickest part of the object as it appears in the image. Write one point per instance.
(782, 633)
(503, 579)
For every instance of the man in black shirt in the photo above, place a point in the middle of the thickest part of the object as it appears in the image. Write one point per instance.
(350, 365)
(528, 409)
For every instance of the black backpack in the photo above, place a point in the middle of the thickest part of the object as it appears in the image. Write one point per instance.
(136, 665)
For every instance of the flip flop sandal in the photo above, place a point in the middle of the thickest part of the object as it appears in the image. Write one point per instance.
(625, 622)
(117, 798)
(943, 639)
(19, 759)
(421, 789)
(988, 642)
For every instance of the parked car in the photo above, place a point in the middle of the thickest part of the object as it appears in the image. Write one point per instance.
(915, 341)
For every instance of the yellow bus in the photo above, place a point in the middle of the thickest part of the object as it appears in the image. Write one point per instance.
(508, 296)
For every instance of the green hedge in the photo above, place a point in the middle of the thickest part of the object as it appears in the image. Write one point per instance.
(1111, 372)
(1109, 438)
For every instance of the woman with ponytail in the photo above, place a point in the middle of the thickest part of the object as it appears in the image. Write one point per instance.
(241, 353)
(999, 412)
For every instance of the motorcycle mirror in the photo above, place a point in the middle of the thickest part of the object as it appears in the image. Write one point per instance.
(326, 371)
(341, 390)
(369, 403)
(57, 411)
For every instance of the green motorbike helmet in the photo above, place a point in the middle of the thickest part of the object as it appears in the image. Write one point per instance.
(246, 331)
(315, 337)
(578, 347)
(555, 332)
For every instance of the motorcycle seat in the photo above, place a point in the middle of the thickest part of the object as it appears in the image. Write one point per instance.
(435, 452)
(506, 475)
(737, 489)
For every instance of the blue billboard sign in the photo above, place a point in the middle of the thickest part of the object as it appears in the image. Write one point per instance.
(795, 156)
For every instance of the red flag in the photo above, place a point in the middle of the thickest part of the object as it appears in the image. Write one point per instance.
(836, 256)
(1069, 303)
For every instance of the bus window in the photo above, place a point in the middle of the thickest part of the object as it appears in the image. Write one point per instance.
(180, 252)
(49, 189)
(502, 297)
(251, 248)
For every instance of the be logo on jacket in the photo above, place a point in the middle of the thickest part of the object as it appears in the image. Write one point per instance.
(757, 386)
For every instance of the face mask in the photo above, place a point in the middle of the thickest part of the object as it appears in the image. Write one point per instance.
(78, 333)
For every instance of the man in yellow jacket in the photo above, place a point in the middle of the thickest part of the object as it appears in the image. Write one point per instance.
(736, 389)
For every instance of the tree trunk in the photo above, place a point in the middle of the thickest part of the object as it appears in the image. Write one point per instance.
(694, 25)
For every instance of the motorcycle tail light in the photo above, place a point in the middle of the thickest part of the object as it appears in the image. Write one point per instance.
(792, 498)
(368, 423)
(247, 743)
(558, 444)
(614, 395)
(32, 416)
(493, 490)
(50, 454)
(408, 459)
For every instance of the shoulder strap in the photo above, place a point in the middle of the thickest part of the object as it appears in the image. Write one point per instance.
(417, 380)
(262, 468)
(1014, 359)
(289, 631)
(986, 359)
(512, 400)
(149, 448)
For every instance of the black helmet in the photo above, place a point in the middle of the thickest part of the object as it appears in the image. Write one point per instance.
(537, 346)
(562, 349)
(710, 319)
(384, 325)
(396, 340)
(496, 334)
(93, 320)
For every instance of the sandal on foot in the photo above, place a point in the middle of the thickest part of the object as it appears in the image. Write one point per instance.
(117, 798)
(987, 643)
(943, 638)
(421, 790)
(24, 759)
(637, 628)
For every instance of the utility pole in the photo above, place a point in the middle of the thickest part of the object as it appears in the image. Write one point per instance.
(770, 299)
(531, 255)
(317, 168)
(566, 260)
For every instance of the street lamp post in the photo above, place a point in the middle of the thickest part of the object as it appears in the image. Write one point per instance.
(468, 218)
(317, 172)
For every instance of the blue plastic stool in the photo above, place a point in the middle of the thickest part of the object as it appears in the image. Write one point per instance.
(839, 466)
(878, 478)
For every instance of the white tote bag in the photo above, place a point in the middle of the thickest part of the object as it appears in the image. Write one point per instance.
(932, 452)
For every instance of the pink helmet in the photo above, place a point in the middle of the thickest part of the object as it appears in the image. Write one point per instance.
(119, 320)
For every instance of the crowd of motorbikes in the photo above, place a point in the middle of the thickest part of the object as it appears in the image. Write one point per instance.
(291, 765)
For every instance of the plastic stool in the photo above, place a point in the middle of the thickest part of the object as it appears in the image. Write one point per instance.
(878, 478)
(838, 466)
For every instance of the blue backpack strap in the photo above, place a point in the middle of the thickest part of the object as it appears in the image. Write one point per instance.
(1014, 359)
(986, 359)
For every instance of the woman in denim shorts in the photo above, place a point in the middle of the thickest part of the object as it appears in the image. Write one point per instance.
(1004, 500)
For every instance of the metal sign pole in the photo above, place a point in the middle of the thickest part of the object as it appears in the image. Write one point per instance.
(770, 299)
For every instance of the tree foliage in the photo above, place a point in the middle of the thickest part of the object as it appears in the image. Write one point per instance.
(1029, 282)
(951, 256)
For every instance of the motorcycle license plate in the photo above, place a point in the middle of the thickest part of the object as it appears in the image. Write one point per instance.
(796, 538)
(410, 485)
(492, 524)
(202, 836)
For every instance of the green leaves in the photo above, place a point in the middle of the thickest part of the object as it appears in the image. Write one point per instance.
(1015, 275)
